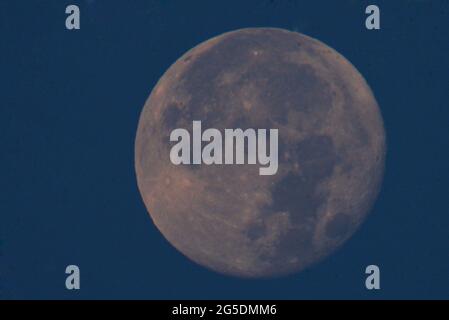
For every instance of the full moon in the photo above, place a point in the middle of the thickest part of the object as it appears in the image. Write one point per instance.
(229, 218)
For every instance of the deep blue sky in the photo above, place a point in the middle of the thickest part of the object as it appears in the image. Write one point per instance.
(70, 102)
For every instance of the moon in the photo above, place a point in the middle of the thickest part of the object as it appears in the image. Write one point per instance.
(230, 219)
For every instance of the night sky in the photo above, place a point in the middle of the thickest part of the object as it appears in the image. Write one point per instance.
(70, 104)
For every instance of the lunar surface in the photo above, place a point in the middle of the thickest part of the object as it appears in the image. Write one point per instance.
(229, 218)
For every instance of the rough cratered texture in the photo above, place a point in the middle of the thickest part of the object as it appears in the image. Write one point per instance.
(331, 153)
